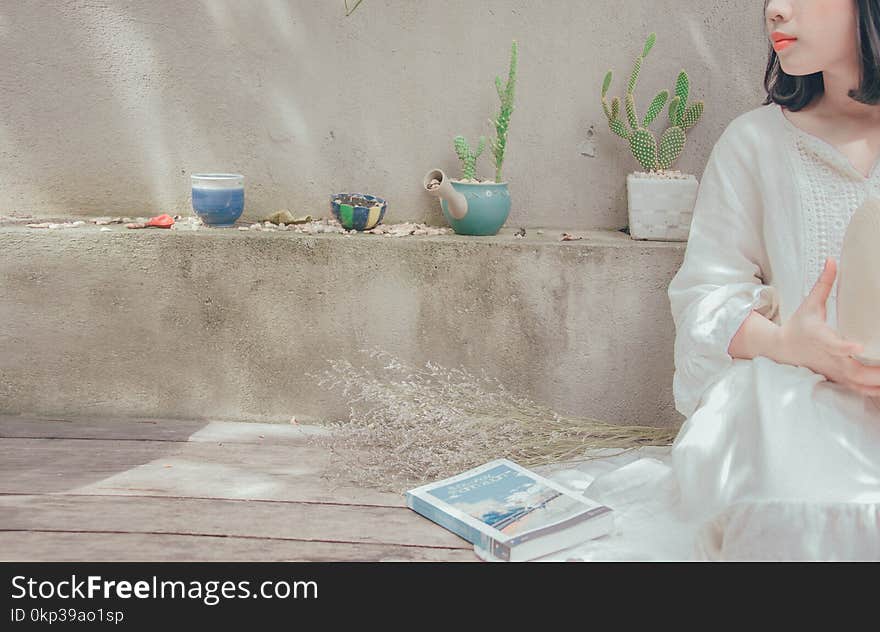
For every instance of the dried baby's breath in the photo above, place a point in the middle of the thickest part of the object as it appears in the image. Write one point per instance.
(409, 425)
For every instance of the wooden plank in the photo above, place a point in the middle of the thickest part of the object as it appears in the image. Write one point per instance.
(33, 465)
(158, 487)
(202, 470)
(186, 516)
(170, 430)
(136, 547)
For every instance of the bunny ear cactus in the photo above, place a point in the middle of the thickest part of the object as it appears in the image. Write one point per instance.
(468, 157)
(643, 143)
(681, 114)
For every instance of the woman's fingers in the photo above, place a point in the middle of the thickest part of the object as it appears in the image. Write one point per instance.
(822, 288)
(844, 349)
(831, 341)
(858, 385)
(871, 391)
(861, 374)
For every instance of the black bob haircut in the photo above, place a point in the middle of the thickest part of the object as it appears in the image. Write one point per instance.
(795, 93)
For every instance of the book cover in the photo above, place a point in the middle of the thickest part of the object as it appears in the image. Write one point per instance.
(510, 511)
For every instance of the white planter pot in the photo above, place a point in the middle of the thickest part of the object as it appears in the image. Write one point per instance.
(661, 209)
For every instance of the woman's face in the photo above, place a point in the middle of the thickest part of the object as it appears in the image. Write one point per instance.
(813, 35)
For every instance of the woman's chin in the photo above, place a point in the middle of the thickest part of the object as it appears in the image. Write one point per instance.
(792, 68)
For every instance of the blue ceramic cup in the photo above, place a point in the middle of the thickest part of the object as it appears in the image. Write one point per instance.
(218, 198)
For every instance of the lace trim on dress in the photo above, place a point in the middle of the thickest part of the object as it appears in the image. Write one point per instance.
(830, 192)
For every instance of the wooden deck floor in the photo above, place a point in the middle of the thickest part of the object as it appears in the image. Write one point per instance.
(156, 490)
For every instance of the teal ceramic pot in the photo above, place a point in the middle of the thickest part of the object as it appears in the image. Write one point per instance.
(488, 205)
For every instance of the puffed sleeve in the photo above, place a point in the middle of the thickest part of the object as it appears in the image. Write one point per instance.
(721, 279)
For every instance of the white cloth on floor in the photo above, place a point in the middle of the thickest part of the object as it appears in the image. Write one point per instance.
(773, 461)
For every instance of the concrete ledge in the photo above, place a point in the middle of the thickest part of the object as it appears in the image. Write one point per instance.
(225, 324)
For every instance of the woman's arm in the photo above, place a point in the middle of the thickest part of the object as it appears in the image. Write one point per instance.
(757, 336)
(723, 307)
(805, 339)
(721, 281)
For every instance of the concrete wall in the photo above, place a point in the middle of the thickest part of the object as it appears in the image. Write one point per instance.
(228, 325)
(107, 107)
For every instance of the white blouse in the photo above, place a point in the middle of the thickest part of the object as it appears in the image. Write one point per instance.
(774, 202)
(773, 461)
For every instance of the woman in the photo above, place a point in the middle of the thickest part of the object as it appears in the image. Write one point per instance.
(779, 457)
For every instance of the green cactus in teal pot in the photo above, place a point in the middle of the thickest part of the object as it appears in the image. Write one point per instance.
(502, 121)
(652, 156)
(468, 156)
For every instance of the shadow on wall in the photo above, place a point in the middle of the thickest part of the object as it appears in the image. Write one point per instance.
(108, 109)
(114, 77)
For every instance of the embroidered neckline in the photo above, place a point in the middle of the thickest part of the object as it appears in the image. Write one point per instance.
(830, 189)
(828, 151)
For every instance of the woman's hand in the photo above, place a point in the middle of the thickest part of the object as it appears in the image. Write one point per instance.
(806, 339)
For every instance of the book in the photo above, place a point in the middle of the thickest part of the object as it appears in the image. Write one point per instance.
(511, 512)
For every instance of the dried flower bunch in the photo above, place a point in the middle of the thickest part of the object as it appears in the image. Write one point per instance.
(410, 425)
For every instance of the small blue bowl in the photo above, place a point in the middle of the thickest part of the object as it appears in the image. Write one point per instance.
(358, 210)
(218, 198)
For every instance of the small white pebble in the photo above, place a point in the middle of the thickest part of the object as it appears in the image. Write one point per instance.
(243, 228)
(106, 230)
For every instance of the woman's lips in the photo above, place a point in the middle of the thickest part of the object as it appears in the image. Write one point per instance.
(781, 45)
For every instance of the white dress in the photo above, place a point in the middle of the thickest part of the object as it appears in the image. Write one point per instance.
(773, 461)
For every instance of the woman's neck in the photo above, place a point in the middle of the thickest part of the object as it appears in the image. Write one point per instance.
(836, 102)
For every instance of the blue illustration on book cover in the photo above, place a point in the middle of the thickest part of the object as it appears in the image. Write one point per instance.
(515, 504)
